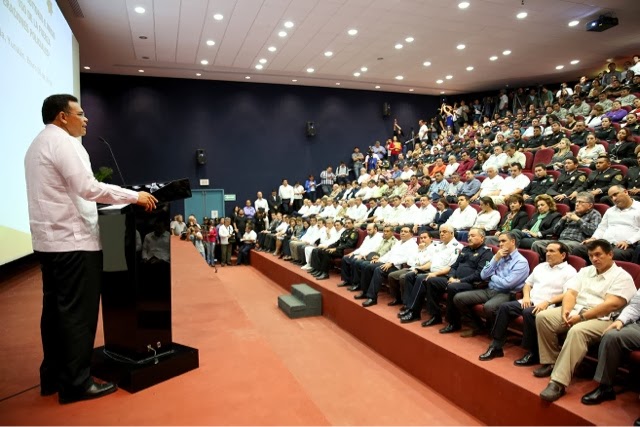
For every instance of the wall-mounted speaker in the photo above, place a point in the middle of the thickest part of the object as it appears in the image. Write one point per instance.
(386, 109)
(201, 156)
(311, 129)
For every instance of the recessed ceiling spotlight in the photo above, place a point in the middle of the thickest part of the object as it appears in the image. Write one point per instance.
(575, 61)
(139, 9)
(522, 15)
(463, 5)
(294, 80)
(337, 83)
(377, 87)
(352, 32)
(204, 62)
(409, 39)
(559, 67)
(398, 46)
(573, 23)
(272, 49)
(493, 58)
(399, 77)
(87, 67)
(328, 53)
(442, 93)
(460, 47)
(218, 17)
(248, 77)
(506, 52)
(440, 81)
(210, 43)
(363, 69)
(262, 61)
(282, 34)
(426, 63)
(141, 71)
(449, 77)
(609, 59)
(469, 68)
(411, 90)
(198, 74)
(356, 74)
(259, 67)
(288, 24)
(310, 70)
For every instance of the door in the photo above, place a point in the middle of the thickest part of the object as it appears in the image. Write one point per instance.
(203, 202)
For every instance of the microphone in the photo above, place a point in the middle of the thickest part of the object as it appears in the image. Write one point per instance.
(113, 157)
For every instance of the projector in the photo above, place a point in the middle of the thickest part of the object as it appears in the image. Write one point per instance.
(602, 23)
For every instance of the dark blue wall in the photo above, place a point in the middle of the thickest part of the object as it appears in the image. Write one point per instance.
(253, 134)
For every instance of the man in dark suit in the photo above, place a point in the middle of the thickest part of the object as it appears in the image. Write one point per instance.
(605, 176)
(568, 183)
(274, 201)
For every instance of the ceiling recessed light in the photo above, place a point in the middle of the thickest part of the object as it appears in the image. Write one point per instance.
(218, 17)
(573, 23)
(493, 58)
(198, 74)
(411, 90)
(204, 62)
(399, 77)
(409, 39)
(210, 43)
(440, 81)
(460, 46)
(426, 63)
(363, 69)
(559, 67)
(352, 32)
(294, 80)
(328, 53)
(506, 52)
(398, 46)
(310, 70)
(288, 24)
(442, 93)
(87, 68)
(356, 74)
(449, 77)
(522, 15)
(337, 83)
(141, 71)
(377, 87)
(282, 34)
(248, 77)
(609, 59)
(469, 68)
(262, 61)
(259, 67)
(575, 61)
(463, 5)
(139, 9)
(272, 49)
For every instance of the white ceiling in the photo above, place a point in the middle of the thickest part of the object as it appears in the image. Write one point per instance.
(109, 34)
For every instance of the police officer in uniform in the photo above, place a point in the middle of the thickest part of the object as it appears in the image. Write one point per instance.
(540, 184)
(605, 176)
(568, 183)
(321, 258)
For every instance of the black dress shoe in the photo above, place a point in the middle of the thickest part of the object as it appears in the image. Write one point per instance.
(317, 273)
(313, 272)
(600, 394)
(637, 422)
(435, 320)
(94, 391)
(354, 288)
(491, 353)
(369, 302)
(323, 276)
(543, 371)
(528, 359)
(553, 392)
(361, 295)
(395, 302)
(403, 313)
(48, 389)
(343, 284)
(449, 329)
(411, 317)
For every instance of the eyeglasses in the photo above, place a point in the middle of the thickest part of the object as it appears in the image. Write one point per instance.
(582, 202)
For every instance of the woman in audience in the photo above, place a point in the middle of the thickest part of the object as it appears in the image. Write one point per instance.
(442, 215)
(589, 153)
(515, 219)
(298, 195)
(282, 238)
(541, 224)
(310, 187)
(606, 132)
(564, 151)
(487, 219)
(622, 152)
(481, 157)
(595, 117)
(301, 228)
(596, 88)
(210, 236)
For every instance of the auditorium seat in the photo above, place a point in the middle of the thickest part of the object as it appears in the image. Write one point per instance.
(543, 156)
(577, 262)
(574, 149)
(622, 169)
(601, 207)
(530, 209)
(554, 173)
(528, 165)
(563, 209)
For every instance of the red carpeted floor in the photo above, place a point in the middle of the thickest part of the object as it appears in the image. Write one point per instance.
(257, 367)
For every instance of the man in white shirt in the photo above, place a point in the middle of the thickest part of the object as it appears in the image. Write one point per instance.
(286, 196)
(513, 156)
(369, 244)
(462, 218)
(425, 215)
(396, 280)
(423, 132)
(593, 298)
(495, 160)
(62, 194)
(492, 184)
(331, 233)
(620, 226)
(247, 242)
(261, 203)
(309, 238)
(513, 184)
(542, 289)
(304, 210)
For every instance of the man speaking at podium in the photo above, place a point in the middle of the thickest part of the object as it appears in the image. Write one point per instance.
(62, 195)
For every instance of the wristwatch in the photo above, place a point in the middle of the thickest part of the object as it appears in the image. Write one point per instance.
(582, 318)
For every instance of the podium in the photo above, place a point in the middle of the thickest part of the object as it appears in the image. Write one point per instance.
(138, 350)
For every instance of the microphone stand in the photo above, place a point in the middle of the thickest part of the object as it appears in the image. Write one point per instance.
(113, 157)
